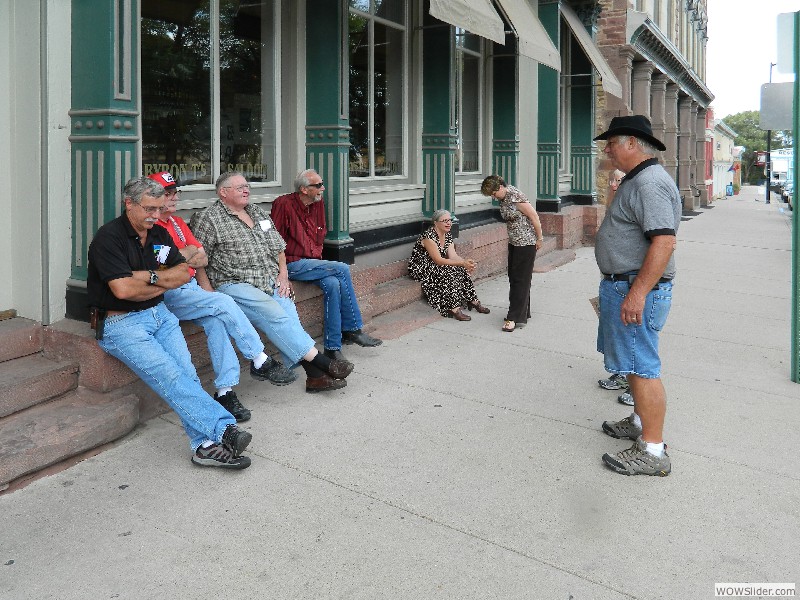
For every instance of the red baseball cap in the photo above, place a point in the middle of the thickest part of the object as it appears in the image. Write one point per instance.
(165, 179)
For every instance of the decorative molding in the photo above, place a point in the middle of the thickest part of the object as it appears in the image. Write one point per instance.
(651, 43)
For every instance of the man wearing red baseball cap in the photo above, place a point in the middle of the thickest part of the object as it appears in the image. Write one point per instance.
(220, 317)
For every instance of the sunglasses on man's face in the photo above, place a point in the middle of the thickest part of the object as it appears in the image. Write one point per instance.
(316, 185)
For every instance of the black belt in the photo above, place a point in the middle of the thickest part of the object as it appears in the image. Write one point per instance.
(629, 277)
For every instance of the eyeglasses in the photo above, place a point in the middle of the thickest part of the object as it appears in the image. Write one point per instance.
(151, 210)
(316, 185)
(445, 220)
(239, 188)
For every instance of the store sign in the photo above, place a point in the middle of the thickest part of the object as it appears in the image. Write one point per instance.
(191, 172)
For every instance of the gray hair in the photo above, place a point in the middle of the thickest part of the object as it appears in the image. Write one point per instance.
(438, 214)
(224, 177)
(303, 179)
(646, 146)
(135, 189)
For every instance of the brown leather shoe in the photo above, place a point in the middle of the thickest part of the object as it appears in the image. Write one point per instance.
(323, 384)
(340, 368)
(476, 304)
(459, 316)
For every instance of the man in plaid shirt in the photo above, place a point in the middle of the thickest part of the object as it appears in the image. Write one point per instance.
(246, 261)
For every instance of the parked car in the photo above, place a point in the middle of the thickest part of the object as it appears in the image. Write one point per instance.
(786, 194)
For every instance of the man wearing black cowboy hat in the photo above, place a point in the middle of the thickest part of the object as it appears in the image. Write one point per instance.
(634, 250)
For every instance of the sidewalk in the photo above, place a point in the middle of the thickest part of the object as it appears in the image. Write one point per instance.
(462, 462)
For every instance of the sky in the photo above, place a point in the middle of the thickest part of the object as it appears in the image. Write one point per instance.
(741, 45)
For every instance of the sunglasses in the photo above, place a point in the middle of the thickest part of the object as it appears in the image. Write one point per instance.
(316, 185)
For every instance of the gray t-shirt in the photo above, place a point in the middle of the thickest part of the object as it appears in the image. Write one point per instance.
(646, 204)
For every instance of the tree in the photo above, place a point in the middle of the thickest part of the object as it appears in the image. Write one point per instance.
(754, 139)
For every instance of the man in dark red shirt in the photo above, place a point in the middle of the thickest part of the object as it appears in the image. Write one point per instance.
(300, 219)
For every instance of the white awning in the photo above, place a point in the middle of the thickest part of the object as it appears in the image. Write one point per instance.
(476, 16)
(608, 80)
(533, 40)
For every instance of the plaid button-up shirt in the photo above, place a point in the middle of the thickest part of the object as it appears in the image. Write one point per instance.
(236, 253)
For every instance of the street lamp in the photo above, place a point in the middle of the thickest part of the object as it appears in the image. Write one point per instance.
(769, 145)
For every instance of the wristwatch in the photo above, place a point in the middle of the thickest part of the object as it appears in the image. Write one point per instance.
(153, 278)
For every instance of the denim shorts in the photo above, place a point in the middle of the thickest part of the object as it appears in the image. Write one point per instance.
(632, 348)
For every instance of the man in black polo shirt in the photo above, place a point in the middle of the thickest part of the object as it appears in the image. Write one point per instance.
(131, 264)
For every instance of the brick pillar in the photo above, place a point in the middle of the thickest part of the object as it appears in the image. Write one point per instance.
(700, 153)
(658, 90)
(625, 75)
(671, 129)
(640, 100)
(685, 150)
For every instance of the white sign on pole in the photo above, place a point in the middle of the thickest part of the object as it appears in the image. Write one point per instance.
(776, 106)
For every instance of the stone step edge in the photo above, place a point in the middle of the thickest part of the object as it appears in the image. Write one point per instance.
(19, 337)
(46, 379)
(46, 434)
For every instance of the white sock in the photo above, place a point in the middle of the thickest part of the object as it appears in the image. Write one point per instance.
(223, 391)
(260, 360)
(655, 449)
(636, 420)
(207, 444)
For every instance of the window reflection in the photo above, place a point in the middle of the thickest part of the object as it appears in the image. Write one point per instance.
(376, 86)
(176, 98)
(468, 101)
(177, 84)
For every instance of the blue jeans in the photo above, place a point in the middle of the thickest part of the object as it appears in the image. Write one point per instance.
(341, 307)
(632, 348)
(150, 342)
(221, 319)
(275, 316)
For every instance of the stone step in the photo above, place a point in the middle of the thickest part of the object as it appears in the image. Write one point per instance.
(49, 433)
(552, 260)
(392, 295)
(33, 379)
(19, 337)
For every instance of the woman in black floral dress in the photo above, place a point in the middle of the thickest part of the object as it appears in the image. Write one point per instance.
(524, 239)
(444, 275)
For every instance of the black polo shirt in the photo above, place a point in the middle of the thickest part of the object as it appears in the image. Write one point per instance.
(116, 251)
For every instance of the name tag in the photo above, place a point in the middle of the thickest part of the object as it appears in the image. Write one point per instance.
(161, 252)
(266, 225)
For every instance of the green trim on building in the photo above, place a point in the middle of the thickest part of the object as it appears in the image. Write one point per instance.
(505, 140)
(327, 118)
(439, 140)
(583, 150)
(548, 119)
(104, 116)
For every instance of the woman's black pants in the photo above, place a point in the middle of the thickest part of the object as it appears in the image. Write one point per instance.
(520, 272)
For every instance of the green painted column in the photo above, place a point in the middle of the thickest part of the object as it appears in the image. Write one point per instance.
(104, 121)
(327, 118)
(505, 140)
(549, 144)
(582, 149)
(439, 138)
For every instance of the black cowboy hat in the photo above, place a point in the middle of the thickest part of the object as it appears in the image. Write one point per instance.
(635, 125)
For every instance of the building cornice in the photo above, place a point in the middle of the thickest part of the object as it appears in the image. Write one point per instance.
(652, 44)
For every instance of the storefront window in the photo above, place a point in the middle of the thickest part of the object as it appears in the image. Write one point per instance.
(377, 87)
(468, 101)
(188, 68)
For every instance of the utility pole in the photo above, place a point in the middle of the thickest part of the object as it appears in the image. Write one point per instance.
(769, 146)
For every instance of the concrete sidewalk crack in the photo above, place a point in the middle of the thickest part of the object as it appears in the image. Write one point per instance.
(444, 525)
